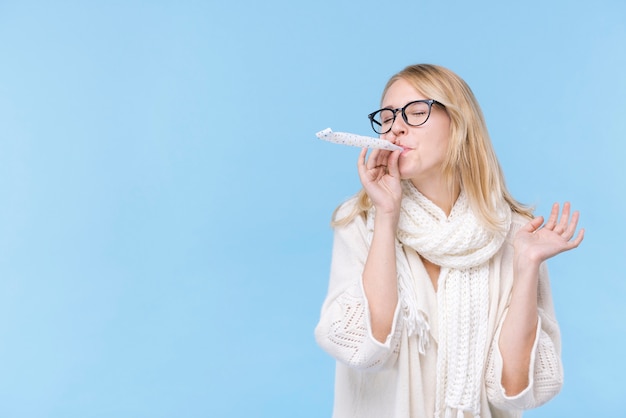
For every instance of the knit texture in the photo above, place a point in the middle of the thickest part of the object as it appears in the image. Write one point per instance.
(462, 247)
(392, 379)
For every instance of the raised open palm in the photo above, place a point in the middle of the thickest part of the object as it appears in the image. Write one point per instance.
(539, 241)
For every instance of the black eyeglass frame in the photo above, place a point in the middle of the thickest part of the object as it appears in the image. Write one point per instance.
(402, 110)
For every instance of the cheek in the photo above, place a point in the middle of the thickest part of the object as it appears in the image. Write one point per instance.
(441, 146)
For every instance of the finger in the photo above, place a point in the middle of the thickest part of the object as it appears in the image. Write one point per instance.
(372, 161)
(554, 215)
(361, 162)
(534, 224)
(579, 238)
(576, 242)
(562, 225)
(362, 155)
(381, 158)
(571, 227)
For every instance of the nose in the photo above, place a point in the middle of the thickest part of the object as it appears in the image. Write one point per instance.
(398, 128)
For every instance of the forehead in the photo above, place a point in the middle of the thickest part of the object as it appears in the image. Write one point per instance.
(399, 93)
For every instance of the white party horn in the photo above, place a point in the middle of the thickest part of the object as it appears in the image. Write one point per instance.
(355, 140)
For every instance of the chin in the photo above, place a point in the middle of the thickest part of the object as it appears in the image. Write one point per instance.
(406, 173)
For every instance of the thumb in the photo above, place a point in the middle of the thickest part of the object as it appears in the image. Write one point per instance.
(534, 224)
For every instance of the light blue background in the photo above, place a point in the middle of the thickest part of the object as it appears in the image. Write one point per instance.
(164, 237)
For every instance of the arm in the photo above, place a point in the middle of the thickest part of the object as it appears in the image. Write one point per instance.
(545, 373)
(344, 329)
(533, 244)
(380, 177)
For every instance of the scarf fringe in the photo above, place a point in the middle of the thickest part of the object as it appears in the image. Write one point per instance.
(459, 413)
(415, 319)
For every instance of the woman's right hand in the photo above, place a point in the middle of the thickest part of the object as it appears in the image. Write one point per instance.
(380, 177)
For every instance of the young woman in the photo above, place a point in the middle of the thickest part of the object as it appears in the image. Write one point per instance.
(439, 302)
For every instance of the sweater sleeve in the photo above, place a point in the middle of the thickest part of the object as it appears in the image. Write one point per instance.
(545, 375)
(344, 330)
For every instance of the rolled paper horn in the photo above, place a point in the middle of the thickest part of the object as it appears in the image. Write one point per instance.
(355, 140)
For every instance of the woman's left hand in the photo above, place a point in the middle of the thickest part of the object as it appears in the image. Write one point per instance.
(537, 241)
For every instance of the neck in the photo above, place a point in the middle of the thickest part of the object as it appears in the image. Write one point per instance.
(439, 193)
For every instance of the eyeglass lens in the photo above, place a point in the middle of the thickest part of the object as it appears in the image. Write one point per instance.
(416, 114)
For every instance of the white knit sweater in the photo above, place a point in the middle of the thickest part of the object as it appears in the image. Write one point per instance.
(376, 380)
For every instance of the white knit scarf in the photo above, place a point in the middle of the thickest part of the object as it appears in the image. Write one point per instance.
(462, 247)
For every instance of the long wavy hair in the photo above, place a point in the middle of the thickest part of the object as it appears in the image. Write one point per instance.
(470, 159)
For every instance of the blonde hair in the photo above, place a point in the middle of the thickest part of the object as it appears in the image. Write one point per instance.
(470, 158)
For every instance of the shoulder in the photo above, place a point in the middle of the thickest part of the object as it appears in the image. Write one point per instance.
(347, 211)
(349, 222)
(517, 222)
(345, 208)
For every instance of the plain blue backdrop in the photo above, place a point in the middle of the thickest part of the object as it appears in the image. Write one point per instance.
(164, 222)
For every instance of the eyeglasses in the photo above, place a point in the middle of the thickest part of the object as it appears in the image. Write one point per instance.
(414, 114)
